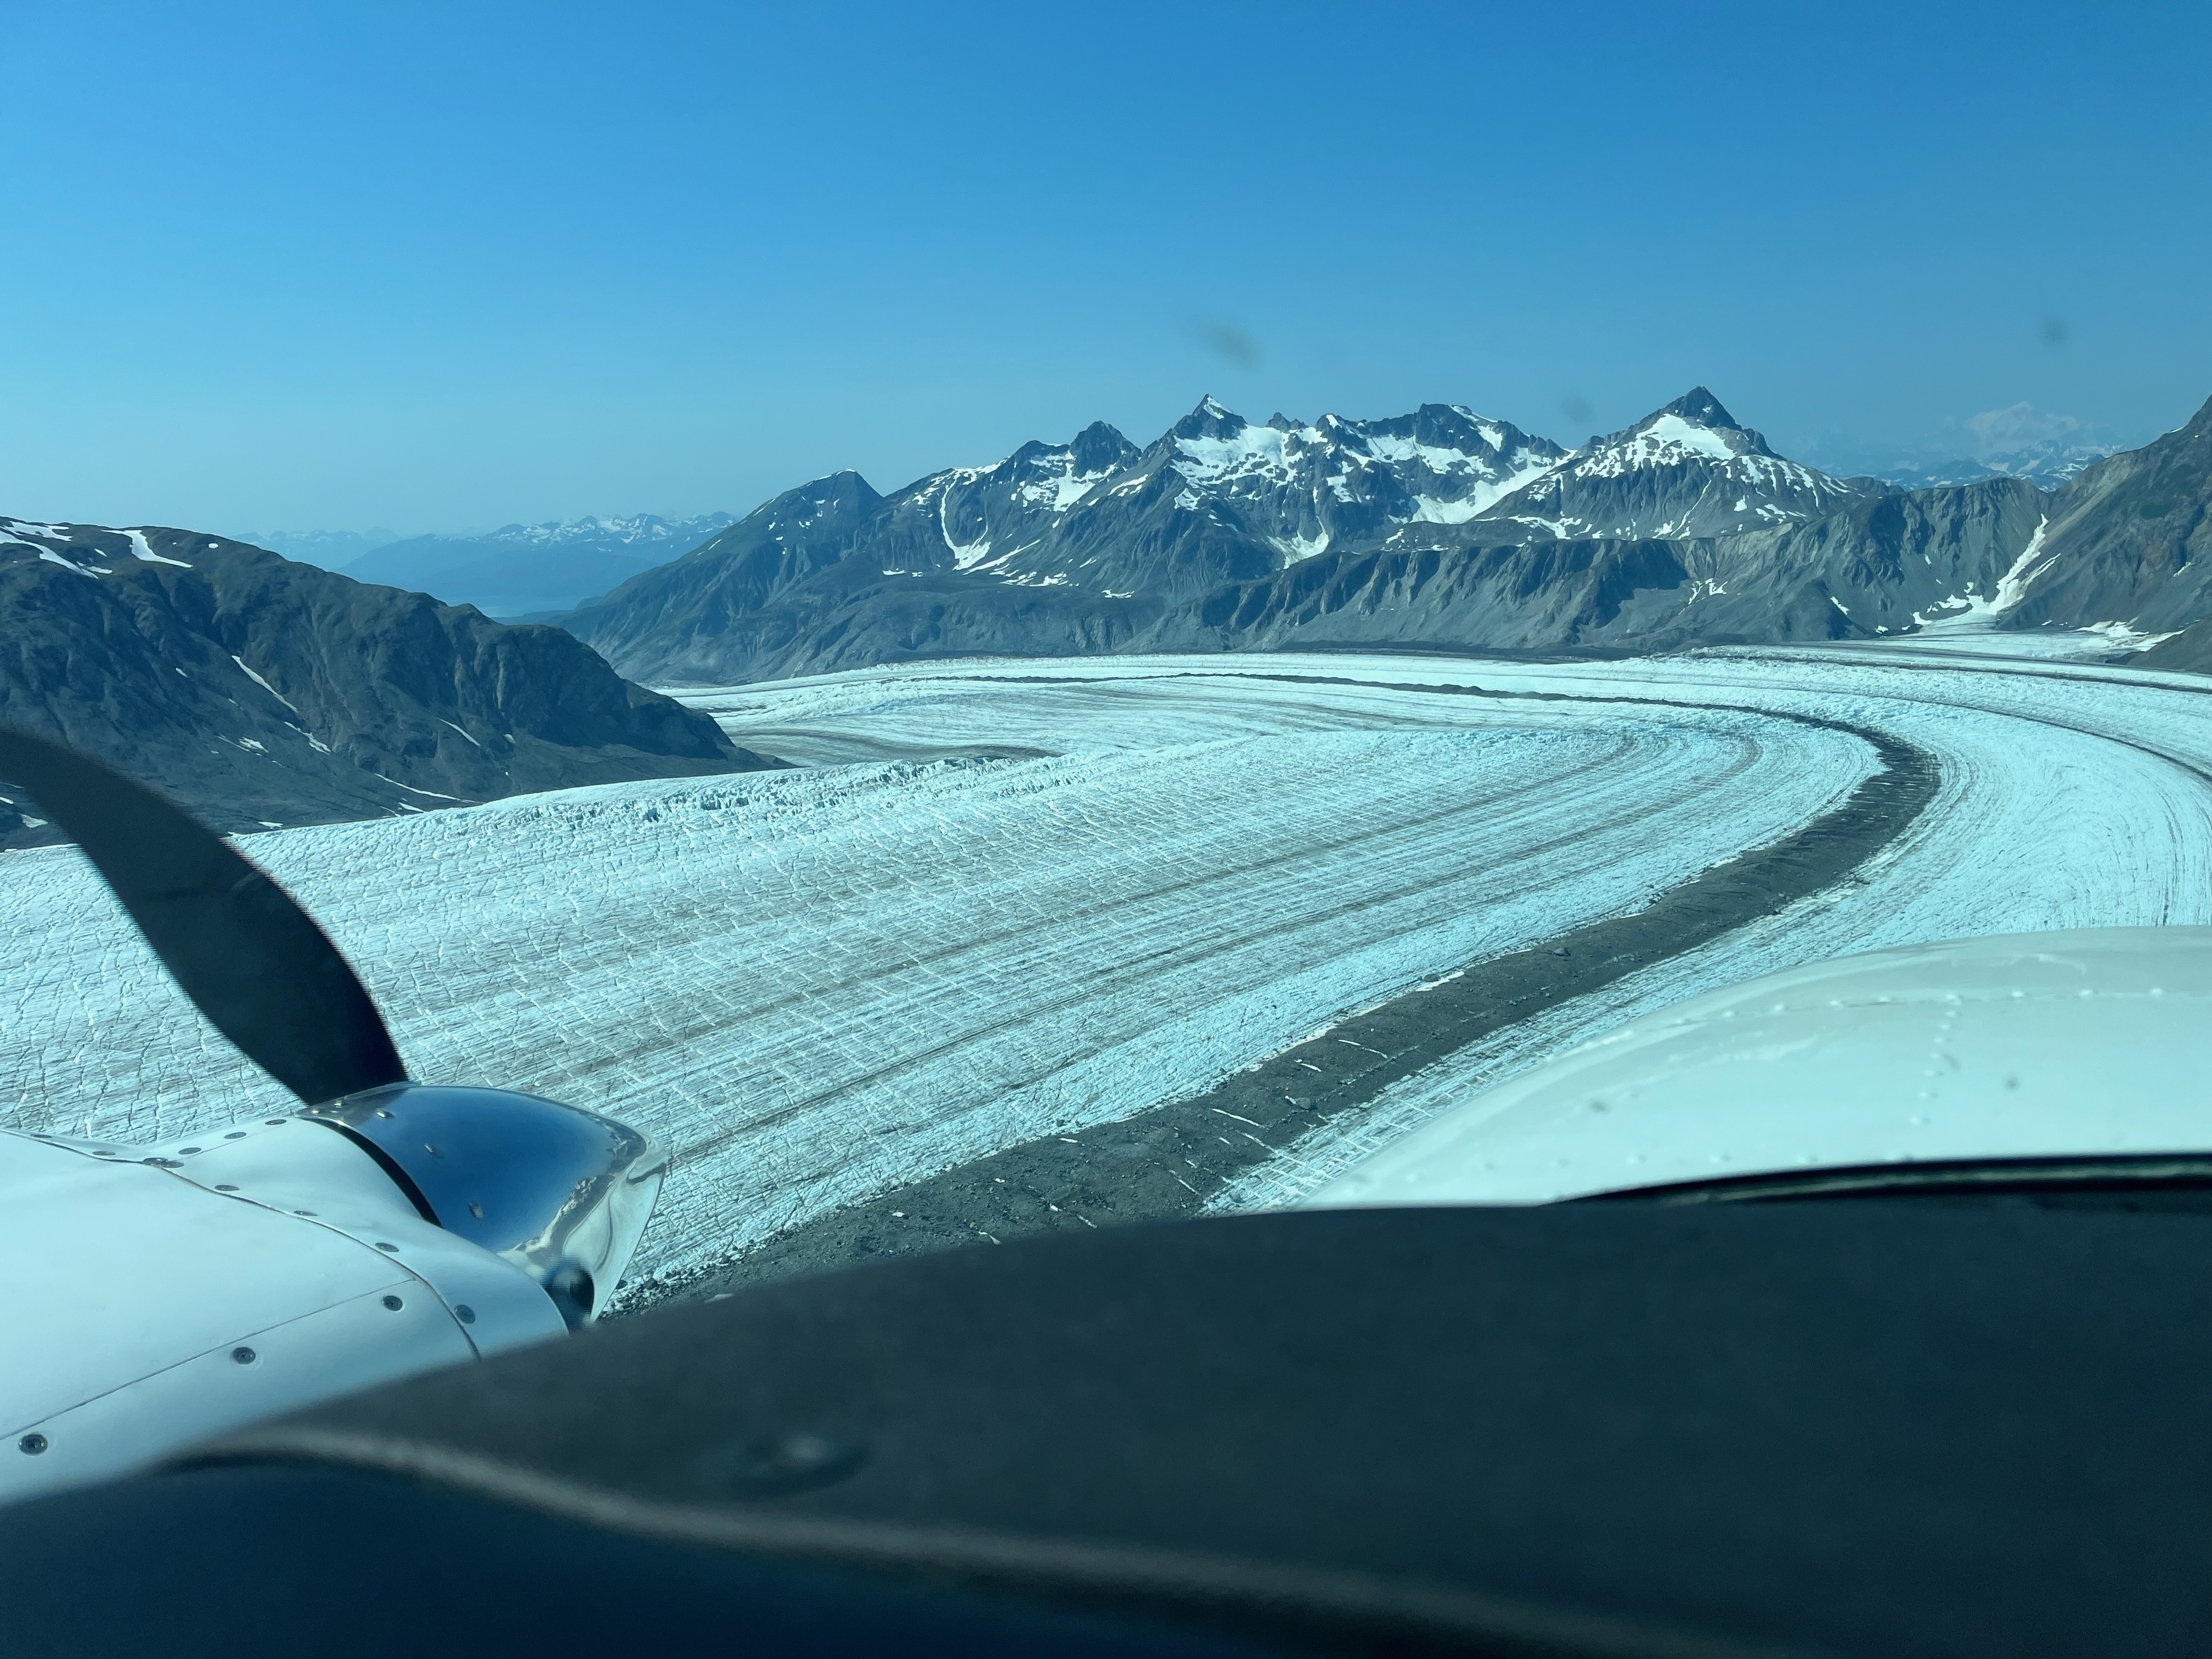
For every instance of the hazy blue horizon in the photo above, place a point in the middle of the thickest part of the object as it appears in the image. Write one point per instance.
(402, 267)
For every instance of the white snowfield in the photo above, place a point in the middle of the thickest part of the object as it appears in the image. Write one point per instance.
(816, 984)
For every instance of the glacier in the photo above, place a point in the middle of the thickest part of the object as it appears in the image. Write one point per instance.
(1007, 899)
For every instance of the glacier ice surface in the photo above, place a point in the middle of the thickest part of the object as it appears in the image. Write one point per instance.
(817, 983)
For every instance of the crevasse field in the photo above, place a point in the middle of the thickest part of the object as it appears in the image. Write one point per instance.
(1002, 899)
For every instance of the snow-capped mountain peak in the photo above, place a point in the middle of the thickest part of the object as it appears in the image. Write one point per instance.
(1658, 441)
(1453, 463)
(1689, 469)
(1695, 426)
(1216, 446)
(1055, 477)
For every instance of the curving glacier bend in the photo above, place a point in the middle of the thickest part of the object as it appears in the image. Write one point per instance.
(1012, 898)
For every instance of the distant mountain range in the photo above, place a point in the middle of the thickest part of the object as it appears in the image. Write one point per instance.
(513, 572)
(525, 569)
(2050, 463)
(1441, 527)
(262, 692)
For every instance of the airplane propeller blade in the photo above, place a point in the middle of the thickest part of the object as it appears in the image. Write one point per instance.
(250, 958)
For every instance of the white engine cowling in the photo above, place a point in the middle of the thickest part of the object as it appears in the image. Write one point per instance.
(2092, 1043)
(165, 1294)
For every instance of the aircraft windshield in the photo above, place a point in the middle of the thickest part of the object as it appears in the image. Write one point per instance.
(981, 625)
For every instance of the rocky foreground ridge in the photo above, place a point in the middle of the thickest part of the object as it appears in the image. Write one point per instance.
(1442, 528)
(263, 693)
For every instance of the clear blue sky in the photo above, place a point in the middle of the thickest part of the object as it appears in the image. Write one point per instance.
(451, 264)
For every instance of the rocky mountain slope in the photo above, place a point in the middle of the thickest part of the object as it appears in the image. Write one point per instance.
(2130, 546)
(1888, 564)
(524, 568)
(680, 617)
(262, 692)
(1440, 527)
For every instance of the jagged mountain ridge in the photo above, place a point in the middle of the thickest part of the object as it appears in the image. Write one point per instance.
(1216, 497)
(1440, 527)
(2121, 550)
(964, 558)
(2116, 552)
(264, 693)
